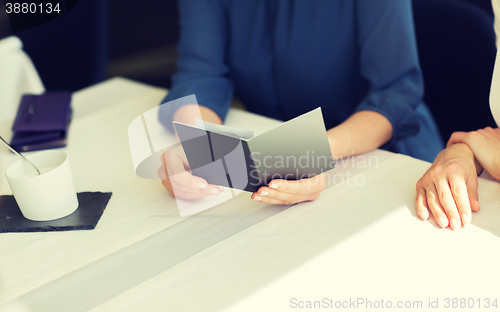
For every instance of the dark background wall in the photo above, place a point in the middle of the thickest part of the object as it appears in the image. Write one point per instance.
(103, 38)
(142, 40)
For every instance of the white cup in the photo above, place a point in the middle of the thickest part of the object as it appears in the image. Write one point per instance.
(48, 196)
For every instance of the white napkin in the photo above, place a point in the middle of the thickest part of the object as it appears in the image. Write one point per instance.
(17, 76)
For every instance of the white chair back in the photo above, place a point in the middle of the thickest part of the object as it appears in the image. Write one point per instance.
(17, 76)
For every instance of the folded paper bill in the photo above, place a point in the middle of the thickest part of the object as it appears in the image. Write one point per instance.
(235, 158)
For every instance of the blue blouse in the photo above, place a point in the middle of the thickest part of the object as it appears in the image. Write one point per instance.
(283, 58)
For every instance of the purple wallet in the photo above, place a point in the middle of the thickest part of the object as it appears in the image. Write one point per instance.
(42, 121)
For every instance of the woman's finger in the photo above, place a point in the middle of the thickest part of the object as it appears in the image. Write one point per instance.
(421, 203)
(472, 185)
(209, 190)
(267, 192)
(271, 201)
(304, 186)
(188, 196)
(177, 172)
(435, 206)
(490, 130)
(447, 202)
(457, 137)
(181, 183)
(461, 196)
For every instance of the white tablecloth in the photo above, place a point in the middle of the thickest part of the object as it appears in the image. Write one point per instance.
(360, 239)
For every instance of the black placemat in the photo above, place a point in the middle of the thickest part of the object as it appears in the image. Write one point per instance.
(91, 206)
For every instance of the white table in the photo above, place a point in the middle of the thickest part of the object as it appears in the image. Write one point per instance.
(360, 239)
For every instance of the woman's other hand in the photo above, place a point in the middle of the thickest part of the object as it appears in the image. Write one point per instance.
(449, 188)
(485, 144)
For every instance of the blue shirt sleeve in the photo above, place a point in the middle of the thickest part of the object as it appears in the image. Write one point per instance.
(389, 62)
(201, 68)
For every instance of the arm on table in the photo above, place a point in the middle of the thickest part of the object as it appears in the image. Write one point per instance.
(389, 63)
(201, 70)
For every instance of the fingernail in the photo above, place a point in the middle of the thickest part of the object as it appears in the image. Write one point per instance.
(257, 198)
(215, 191)
(273, 186)
(454, 224)
(422, 214)
(202, 185)
(442, 222)
(264, 193)
(465, 219)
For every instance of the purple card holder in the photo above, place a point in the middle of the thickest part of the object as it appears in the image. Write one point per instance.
(42, 121)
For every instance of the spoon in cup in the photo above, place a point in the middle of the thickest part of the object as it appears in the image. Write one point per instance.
(18, 153)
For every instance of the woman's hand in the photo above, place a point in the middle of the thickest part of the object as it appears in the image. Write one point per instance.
(175, 173)
(284, 192)
(449, 188)
(179, 181)
(485, 144)
(353, 136)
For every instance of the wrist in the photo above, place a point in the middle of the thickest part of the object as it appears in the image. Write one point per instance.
(339, 141)
(462, 150)
(188, 114)
(479, 168)
(362, 132)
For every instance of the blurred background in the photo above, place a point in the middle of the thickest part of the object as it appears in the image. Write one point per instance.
(99, 39)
